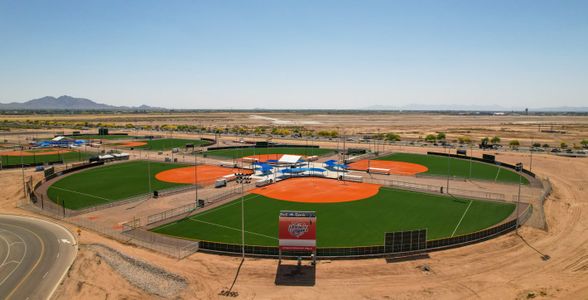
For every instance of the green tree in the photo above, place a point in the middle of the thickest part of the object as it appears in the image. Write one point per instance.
(334, 133)
(514, 144)
(536, 145)
(464, 140)
(563, 145)
(441, 136)
(392, 137)
(485, 140)
(431, 138)
(495, 140)
(584, 143)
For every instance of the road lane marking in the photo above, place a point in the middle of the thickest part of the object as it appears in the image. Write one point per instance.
(34, 266)
(21, 259)
(8, 248)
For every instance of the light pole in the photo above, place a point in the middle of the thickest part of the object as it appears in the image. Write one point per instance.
(471, 156)
(196, 176)
(149, 173)
(448, 169)
(519, 169)
(531, 150)
(24, 190)
(243, 179)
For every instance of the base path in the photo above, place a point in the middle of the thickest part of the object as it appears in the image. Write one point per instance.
(34, 255)
(318, 190)
(34, 152)
(205, 174)
(395, 167)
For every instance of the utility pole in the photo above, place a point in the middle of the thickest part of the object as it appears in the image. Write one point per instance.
(531, 150)
(519, 169)
(471, 155)
(243, 179)
(448, 169)
(149, 173)
(24, 190)
(196, 176)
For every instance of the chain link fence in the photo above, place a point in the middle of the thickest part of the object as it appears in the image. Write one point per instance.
(436, 189)
(376, 250)
(537, 219)
(136, 231)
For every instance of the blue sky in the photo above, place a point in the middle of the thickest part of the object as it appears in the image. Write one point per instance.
(296, 54)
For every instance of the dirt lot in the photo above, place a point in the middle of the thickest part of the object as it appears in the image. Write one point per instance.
(509, 267)
(542, 129)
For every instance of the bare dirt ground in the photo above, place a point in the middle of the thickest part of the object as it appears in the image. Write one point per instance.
(504, 268)
(525, 128)
(508, 267)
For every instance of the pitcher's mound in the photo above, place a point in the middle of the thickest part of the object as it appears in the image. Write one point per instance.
(395, 167)
(318, 190)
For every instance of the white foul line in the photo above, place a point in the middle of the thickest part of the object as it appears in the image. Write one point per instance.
(83, 194)
(464, 213)
(232, 228)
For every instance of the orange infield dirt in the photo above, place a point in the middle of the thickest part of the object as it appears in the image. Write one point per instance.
(396, 167)
(205, 174)
(318, 190)
(266, 157)
(132, 144)
(35, 152)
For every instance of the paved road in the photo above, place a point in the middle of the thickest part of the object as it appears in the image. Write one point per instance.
(34, 257)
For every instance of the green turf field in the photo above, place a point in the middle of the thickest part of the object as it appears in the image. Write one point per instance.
(168, 144)
(101, 137)
(66, 157)
(242, 152)
(108, 183)
(345, 224)
(458, 167)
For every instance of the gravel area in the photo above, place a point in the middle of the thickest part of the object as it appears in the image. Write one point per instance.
(149, 278)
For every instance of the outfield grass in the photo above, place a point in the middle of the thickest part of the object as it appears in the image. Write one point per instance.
(242, 152)
(168, 144)
(40, 158)
(345, 224)
(108, 184)
(438, 165)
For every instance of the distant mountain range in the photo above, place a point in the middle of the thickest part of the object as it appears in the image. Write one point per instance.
(496, 108)
(68, 103)
(80, 104)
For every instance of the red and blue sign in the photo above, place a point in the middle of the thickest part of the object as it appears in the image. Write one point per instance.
(297, 230)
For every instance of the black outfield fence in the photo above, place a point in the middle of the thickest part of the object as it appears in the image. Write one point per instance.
(378, 250)
(268, 146)
(488, 161)
(34, 164)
